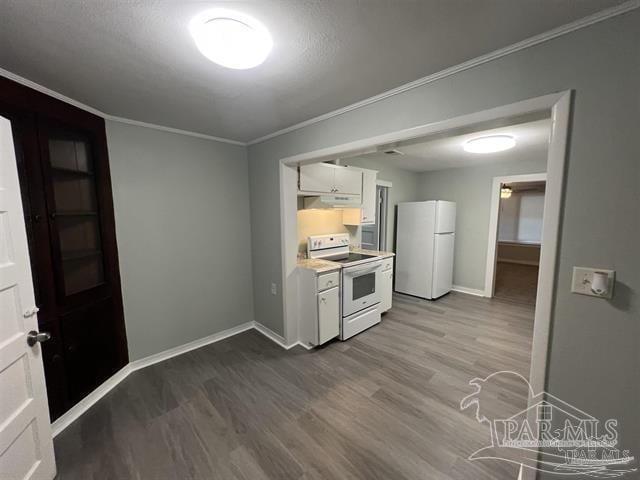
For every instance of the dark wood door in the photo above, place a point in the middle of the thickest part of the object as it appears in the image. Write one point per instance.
(66, 186)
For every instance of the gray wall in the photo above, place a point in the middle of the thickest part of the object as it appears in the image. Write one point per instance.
(594, 353)
(182, 225)
(470, 188)
(404, 189)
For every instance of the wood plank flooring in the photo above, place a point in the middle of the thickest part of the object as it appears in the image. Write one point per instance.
(516, 283)
(383, 405)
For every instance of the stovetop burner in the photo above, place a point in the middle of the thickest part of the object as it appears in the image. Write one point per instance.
(351, 257)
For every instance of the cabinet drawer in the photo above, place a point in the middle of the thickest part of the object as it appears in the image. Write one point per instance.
(328, 280)
(387, 263)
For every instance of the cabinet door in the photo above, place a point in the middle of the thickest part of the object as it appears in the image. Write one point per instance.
(348, 181)
(317, 177)
(387, 290)
(369, 197)
(328, 315)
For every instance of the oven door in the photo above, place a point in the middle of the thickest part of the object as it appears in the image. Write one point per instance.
(361, 287)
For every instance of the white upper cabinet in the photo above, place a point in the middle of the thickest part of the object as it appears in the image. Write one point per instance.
(317, 177)
(348, 181)
(328, 178)
(366, 214)
(369, 197)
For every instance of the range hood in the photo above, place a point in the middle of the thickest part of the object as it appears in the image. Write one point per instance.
(333, 200)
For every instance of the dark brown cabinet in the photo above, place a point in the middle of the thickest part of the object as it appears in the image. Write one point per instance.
(66, 189)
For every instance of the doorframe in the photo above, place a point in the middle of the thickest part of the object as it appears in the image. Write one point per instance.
(559, 106)
(494, 223)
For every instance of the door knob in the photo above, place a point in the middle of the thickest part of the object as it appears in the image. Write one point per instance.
(34, 337)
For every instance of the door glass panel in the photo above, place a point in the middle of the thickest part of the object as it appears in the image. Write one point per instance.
(364, 285)
(76, 215)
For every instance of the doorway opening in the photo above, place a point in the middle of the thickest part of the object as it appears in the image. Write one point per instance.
(556, 106)
(519, 241)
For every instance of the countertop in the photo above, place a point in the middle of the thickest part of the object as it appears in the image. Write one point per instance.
(323, 266)
(318, 265)
(377, 253)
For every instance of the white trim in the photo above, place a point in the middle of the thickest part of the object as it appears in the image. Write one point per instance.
(516, 47)
(468, 291)
(559, 105)
(494, 214)
(87, 402)
(384, 183)
(273, 336)
(187, 347)
(556, 160)
(52, 93)
(173, 130)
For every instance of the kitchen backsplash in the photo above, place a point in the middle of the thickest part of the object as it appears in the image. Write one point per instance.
(322, 222)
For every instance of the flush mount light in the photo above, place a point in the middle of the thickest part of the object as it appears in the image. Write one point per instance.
(489, 144)
(505, 192)
(231, 39)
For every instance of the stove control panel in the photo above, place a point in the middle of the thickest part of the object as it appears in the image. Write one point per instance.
(321, 242)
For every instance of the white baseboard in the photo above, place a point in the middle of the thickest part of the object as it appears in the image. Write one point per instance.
(273, 336)
(468, 291)
(87, 402)
(187, 347)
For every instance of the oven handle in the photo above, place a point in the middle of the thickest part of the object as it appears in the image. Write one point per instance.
(358, 271)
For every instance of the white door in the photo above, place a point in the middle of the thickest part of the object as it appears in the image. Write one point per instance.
(317, 177)
(26, 445)
(443, 264)
(328, 315)
(348, 181)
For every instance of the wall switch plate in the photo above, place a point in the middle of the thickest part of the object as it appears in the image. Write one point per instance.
(274, 289)
(583, 278)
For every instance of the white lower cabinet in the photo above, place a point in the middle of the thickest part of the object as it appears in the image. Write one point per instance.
(387, 285)
(328, 312)
(319, 295)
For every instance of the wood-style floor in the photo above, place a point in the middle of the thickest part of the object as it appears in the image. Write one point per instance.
(516, 283)
(383, 405)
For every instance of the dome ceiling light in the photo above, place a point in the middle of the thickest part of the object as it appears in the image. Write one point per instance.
(231, 39)
(489, 144)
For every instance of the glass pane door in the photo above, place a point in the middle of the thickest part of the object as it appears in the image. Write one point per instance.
(75, 218)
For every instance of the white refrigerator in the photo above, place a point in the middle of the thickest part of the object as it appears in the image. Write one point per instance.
(425, 239)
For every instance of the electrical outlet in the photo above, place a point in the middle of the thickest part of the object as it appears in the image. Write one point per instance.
(274, 289)
(583, 278)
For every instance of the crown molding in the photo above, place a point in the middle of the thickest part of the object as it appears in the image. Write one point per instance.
(52, 93)
(516, 47)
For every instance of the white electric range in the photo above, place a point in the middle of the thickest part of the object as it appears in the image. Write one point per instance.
(361, 276)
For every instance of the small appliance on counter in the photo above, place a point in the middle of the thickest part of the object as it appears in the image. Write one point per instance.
(361, 281)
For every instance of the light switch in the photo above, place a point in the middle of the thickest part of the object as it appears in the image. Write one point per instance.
(274, 289)
(583, 281)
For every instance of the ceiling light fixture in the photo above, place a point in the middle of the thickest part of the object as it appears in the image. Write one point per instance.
(231, 39)
(505, 192)
(489, 144)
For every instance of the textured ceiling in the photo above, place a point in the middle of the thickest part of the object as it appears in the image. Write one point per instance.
(532, 140)
(135, 58)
